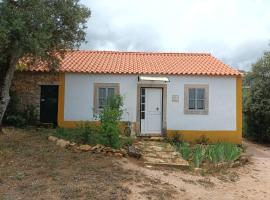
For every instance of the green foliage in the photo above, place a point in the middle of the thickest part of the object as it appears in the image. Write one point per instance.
(15, 120)
(107, 133)
(198, 155)
(222, 152)
(34, 31)
(209, 154)
(39, 28)
(257, 101)
(110, 117)
(185, 150)
(126, 141)
(19, 117)
(84, 133)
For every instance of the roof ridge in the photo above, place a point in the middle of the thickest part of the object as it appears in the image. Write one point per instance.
(145, 52)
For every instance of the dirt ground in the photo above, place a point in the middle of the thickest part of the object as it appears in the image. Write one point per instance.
(31, 167)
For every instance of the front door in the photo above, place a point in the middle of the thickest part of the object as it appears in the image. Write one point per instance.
(151, 105)
(49, 104)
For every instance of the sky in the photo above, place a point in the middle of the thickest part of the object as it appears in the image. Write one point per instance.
(235, 31)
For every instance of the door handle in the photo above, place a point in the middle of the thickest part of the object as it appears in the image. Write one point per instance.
(157, 108)
(42, 100)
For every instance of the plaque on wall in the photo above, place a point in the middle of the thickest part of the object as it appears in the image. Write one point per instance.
(175, 98)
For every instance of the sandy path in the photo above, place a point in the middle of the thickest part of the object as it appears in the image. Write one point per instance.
(249, 182)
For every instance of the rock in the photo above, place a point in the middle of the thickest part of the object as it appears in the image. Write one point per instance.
(108, 149)
(134, 152)
(73, 144)
(98, 148)
(123, 151)
(118, 155)
(198, 170)
(84, 147)
(62, 143)
(244, 158)
(109, 153)
(52, 138)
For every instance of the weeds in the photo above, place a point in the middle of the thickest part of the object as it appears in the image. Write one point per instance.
(202, 154)
(198, 155)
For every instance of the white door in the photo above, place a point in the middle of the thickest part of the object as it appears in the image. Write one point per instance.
(152, 122)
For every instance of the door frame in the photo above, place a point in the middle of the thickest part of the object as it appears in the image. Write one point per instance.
(163, 87)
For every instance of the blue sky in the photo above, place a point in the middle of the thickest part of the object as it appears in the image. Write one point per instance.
(235, 31)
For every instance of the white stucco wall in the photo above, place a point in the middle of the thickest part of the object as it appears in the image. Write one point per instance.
(222, 104)
(222, 100)
(79, 91)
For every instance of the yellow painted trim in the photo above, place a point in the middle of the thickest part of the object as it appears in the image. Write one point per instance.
(61, 96)
(219, 135)
(239, 105)
(213, 136)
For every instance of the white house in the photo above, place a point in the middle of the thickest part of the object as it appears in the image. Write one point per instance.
(192, 94)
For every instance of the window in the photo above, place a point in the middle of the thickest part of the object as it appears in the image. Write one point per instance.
(102, 91)
(196, 99)
(103, 95)
(142, 103)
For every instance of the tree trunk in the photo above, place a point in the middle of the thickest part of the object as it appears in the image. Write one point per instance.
(5, 83)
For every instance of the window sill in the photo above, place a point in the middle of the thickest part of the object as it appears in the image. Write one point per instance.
(196, 112)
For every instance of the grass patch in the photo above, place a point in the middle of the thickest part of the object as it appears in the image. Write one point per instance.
(88, 133)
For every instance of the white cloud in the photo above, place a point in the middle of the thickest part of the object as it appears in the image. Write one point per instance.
(236, 31)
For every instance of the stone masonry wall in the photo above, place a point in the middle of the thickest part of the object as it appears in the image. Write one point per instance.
(27, 87)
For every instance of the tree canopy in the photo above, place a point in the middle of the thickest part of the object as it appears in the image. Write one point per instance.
(257, 102)
(37, 29)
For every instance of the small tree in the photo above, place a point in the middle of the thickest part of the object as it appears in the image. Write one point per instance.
(37, 29)
(110, 117)
(257, 104)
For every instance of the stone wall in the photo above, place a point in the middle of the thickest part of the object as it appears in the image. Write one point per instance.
(27, 87)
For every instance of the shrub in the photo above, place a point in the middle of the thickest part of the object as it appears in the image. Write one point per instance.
(19, 117)
(110, 117)
(15, 120)
(257, 100)
(126, 141)
(84, 133)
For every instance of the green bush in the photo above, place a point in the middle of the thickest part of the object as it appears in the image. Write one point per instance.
(110, 117)
(84, 133)
(126, 141)
(15, 120)
(107, 133)
(257, 100)
(19, 117)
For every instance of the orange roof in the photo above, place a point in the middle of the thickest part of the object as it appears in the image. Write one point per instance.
(113, 62)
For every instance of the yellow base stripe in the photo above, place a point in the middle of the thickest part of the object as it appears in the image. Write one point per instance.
(212, 136)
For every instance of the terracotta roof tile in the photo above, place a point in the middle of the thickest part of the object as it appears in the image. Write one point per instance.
(82, 61)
